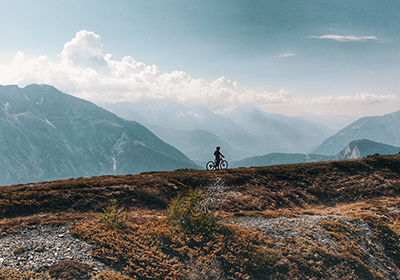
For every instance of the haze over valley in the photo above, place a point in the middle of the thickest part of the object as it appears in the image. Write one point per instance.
(49, 135)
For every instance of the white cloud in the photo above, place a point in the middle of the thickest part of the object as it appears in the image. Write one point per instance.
(361, 98)
(85, 50)
(348, 38)
(286, 55)
(84, 71)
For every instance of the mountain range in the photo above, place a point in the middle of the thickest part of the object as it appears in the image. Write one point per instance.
(383, 129)
(354, 150)
(46, 135)
(245, 132)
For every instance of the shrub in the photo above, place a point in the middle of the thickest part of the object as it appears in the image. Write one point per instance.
(114, 217)
(191, 215)
(71, 270)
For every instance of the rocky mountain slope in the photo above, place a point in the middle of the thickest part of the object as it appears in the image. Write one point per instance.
(325, 220)
(47, 135)
(383, 129)
(362, 148)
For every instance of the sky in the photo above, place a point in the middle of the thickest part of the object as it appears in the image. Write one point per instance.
(290, 57)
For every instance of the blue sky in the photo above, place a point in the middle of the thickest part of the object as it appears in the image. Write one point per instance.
(289, 57)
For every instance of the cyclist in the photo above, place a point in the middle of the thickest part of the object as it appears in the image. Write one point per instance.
(218, 156)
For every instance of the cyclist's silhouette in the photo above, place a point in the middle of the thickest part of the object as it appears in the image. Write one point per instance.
(218, 156)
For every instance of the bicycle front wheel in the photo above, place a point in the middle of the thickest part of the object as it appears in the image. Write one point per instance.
(223, 164)
(210, 165)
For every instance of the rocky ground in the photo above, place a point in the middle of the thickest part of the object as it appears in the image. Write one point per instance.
(308, 227)
(38, 247)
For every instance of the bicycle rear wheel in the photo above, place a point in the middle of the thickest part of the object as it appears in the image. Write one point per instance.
(210, 165)
(223, 164)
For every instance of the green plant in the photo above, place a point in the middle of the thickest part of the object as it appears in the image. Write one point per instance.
(114, 217)
(191, 214)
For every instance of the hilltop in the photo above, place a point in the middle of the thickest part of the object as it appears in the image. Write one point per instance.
(336, 219)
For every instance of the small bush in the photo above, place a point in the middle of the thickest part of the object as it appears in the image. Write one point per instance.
(114, 217)
(71, 270)
(190, 215)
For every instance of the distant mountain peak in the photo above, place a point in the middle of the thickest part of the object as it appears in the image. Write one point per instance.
(382, 129)
(364, 147)
(46, 134)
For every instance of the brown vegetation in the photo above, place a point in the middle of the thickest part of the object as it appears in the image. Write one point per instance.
(71, 270)
(127, 220)
(260, 188)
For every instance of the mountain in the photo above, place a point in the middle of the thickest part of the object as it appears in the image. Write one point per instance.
(279, 158)
(243, 133)
(362, 148)
(197, 144)
(355, 149)
(277, 133)
(335, 122)
(46, 134)
(177, 117)
(383, 129)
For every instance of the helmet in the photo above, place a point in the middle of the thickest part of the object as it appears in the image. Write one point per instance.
(218, 147)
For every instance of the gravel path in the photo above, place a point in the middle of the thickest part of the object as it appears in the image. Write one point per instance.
(38, 247)
(305, 227)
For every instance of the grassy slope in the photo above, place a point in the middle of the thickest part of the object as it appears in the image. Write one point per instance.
(291, 187)
(353, 187)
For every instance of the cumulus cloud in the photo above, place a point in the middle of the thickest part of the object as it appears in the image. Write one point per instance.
(85, 50)
(349, 38)
(84, 71)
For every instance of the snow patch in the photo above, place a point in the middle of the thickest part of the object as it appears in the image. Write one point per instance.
(136, 142)
(40, 102)
(47, 121)
(114, 165)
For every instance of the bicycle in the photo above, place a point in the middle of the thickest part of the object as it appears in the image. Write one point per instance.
(212, 165)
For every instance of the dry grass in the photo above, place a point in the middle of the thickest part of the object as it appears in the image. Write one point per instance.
(148, 247)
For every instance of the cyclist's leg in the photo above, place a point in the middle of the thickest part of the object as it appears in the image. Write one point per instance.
(217, 161)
